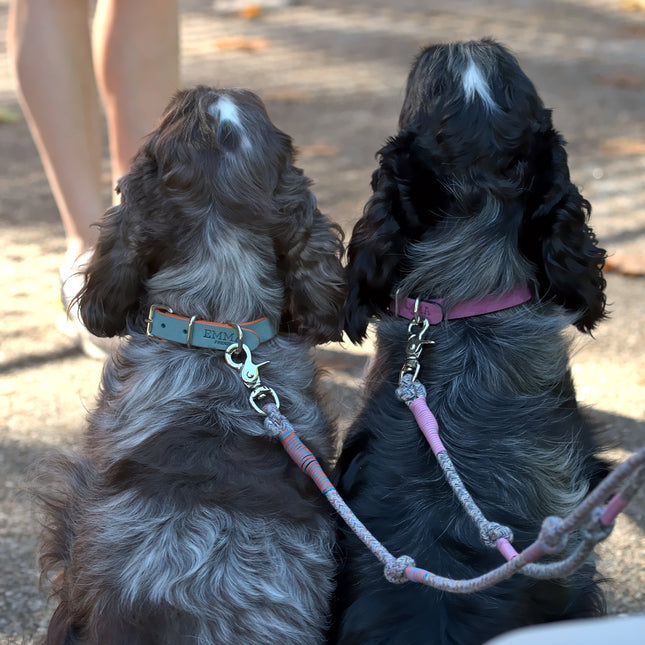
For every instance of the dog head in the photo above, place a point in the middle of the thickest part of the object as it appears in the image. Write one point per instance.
(216, 221)
(473, 195)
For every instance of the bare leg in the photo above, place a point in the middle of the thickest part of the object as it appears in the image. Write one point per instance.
(136, 56)
(50, 46)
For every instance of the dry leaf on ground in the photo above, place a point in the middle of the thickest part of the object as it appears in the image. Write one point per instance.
(632, 5)
(622, 81)
(623, 146)
(241, 43)
(318, 150)
(631, 265)
(250, 11)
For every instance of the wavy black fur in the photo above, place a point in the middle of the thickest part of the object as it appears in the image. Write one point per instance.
(471, 197)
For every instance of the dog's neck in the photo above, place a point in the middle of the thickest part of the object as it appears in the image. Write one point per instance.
(466, 259)
(230, 276)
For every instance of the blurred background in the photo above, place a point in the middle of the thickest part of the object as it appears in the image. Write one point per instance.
(332, 74)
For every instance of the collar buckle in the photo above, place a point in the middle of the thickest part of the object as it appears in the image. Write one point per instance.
(149, 319)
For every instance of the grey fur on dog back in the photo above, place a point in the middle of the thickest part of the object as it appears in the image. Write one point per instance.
(180, 520)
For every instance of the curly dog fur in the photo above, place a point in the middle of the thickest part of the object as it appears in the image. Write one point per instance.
(472, 197)
(181, 521)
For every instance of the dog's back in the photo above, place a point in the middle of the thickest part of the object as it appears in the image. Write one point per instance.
(198, 532)
(523, 454)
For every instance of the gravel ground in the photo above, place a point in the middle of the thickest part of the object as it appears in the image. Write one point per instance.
(332, 73)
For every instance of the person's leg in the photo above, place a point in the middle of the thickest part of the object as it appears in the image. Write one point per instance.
(136, 57)
(49, 43)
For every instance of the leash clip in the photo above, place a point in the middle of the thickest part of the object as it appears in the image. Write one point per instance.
(250, 374)
(248, 370)
(415, 345)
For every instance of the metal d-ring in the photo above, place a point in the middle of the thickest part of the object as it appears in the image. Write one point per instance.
(260, 391)
(417, 319)
(240, 336)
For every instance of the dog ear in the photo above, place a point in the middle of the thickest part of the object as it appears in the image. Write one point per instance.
(114, 277)
(555, 236)
(309, 249)
(407, 198)
(374, 254)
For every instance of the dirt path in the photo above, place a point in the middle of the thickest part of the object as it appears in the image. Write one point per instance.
(332, 73)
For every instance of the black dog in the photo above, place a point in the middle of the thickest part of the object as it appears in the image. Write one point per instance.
(472, 200)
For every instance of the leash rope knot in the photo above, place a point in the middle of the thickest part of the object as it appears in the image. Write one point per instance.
(410, 389)
(395, 571)
(552, 535)
(596, 531)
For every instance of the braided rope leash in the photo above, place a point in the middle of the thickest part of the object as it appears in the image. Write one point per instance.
(403, 568)
(595, 522)
(550, 540)
(493, 535)
(413, 394)
(278, 426)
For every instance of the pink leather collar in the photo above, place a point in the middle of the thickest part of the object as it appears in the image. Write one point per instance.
(433, 310)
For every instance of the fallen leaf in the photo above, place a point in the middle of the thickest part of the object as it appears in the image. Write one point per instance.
(632, 5)
(630, 265)
(623, 81)
(250, 11)
(318, 150)
(637, 31)
(241, 43)
(623, 146)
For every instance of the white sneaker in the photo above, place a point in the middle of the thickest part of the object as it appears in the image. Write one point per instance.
(69, 321)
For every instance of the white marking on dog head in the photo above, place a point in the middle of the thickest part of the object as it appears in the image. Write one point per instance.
(475, 83)
(225, 110)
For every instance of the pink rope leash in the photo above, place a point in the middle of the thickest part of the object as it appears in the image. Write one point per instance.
(595, 521)
(492, 534)
(550, 539)
(555, 530)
